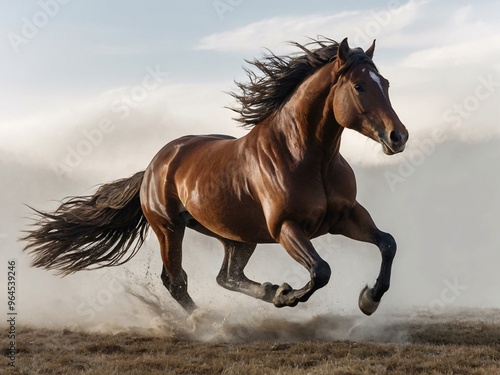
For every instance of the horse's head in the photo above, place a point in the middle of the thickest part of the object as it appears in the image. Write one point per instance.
(361, 99)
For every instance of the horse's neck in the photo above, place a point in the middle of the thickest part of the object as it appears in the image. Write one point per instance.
(306, 122)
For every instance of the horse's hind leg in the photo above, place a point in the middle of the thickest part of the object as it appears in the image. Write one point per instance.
(165, 279)
(173, 276)
(232, 277)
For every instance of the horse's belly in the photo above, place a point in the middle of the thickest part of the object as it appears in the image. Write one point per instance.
(233, 220)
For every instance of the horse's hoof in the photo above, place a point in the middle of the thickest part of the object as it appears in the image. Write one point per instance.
(282, 295)
(366, 303)
(267, 291)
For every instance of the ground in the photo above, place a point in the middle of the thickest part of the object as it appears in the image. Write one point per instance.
(428, 346)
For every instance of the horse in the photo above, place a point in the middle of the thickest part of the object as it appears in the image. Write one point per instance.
(283, 182)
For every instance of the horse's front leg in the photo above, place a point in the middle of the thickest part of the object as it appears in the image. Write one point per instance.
(358, 225)
(300, 248)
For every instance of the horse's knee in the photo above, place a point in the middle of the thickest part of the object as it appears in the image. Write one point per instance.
(222, 280)
(387, 245)
(320, 274)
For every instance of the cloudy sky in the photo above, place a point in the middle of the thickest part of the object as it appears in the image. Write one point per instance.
(91, 90)
(66, 63)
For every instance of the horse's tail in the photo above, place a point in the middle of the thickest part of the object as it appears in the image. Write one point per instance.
(90, 232)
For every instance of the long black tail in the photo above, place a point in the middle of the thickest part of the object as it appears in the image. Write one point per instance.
(90, 232)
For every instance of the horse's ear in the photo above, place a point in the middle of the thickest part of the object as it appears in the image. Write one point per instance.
(343, 51)
(369, 51)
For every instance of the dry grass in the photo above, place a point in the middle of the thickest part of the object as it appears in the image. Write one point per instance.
(457, 347)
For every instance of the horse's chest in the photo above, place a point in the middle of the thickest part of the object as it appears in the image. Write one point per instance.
(340, 190)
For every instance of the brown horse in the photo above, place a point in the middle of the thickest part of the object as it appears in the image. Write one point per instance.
(284, 182)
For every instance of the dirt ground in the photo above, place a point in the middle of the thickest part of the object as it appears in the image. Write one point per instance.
(424, 345)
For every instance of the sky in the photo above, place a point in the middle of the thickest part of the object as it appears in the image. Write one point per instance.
(64, 59)
(92, 90)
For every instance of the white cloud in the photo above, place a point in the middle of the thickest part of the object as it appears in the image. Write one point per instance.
(479, 51)
(272, 32)
(432, 29)
(360, 26)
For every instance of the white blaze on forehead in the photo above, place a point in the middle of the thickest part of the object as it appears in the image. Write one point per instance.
(376, 78)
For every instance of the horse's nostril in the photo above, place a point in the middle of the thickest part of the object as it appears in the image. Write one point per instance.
(395, 137)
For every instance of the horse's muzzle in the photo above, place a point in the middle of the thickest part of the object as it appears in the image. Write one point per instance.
(394, 142)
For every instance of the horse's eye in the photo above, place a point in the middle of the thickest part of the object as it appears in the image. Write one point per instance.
(359, 88)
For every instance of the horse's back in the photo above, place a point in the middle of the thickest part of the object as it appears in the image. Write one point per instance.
(182, 147)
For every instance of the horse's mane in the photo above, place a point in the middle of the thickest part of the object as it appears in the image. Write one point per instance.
(264, 95)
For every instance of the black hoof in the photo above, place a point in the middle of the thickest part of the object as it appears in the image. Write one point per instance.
(268, 291)
(284, 296)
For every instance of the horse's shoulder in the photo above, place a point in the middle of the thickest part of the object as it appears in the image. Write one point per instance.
(339, 166)
(340, 181)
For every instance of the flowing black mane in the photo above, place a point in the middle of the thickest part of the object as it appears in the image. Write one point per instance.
(264, 95)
